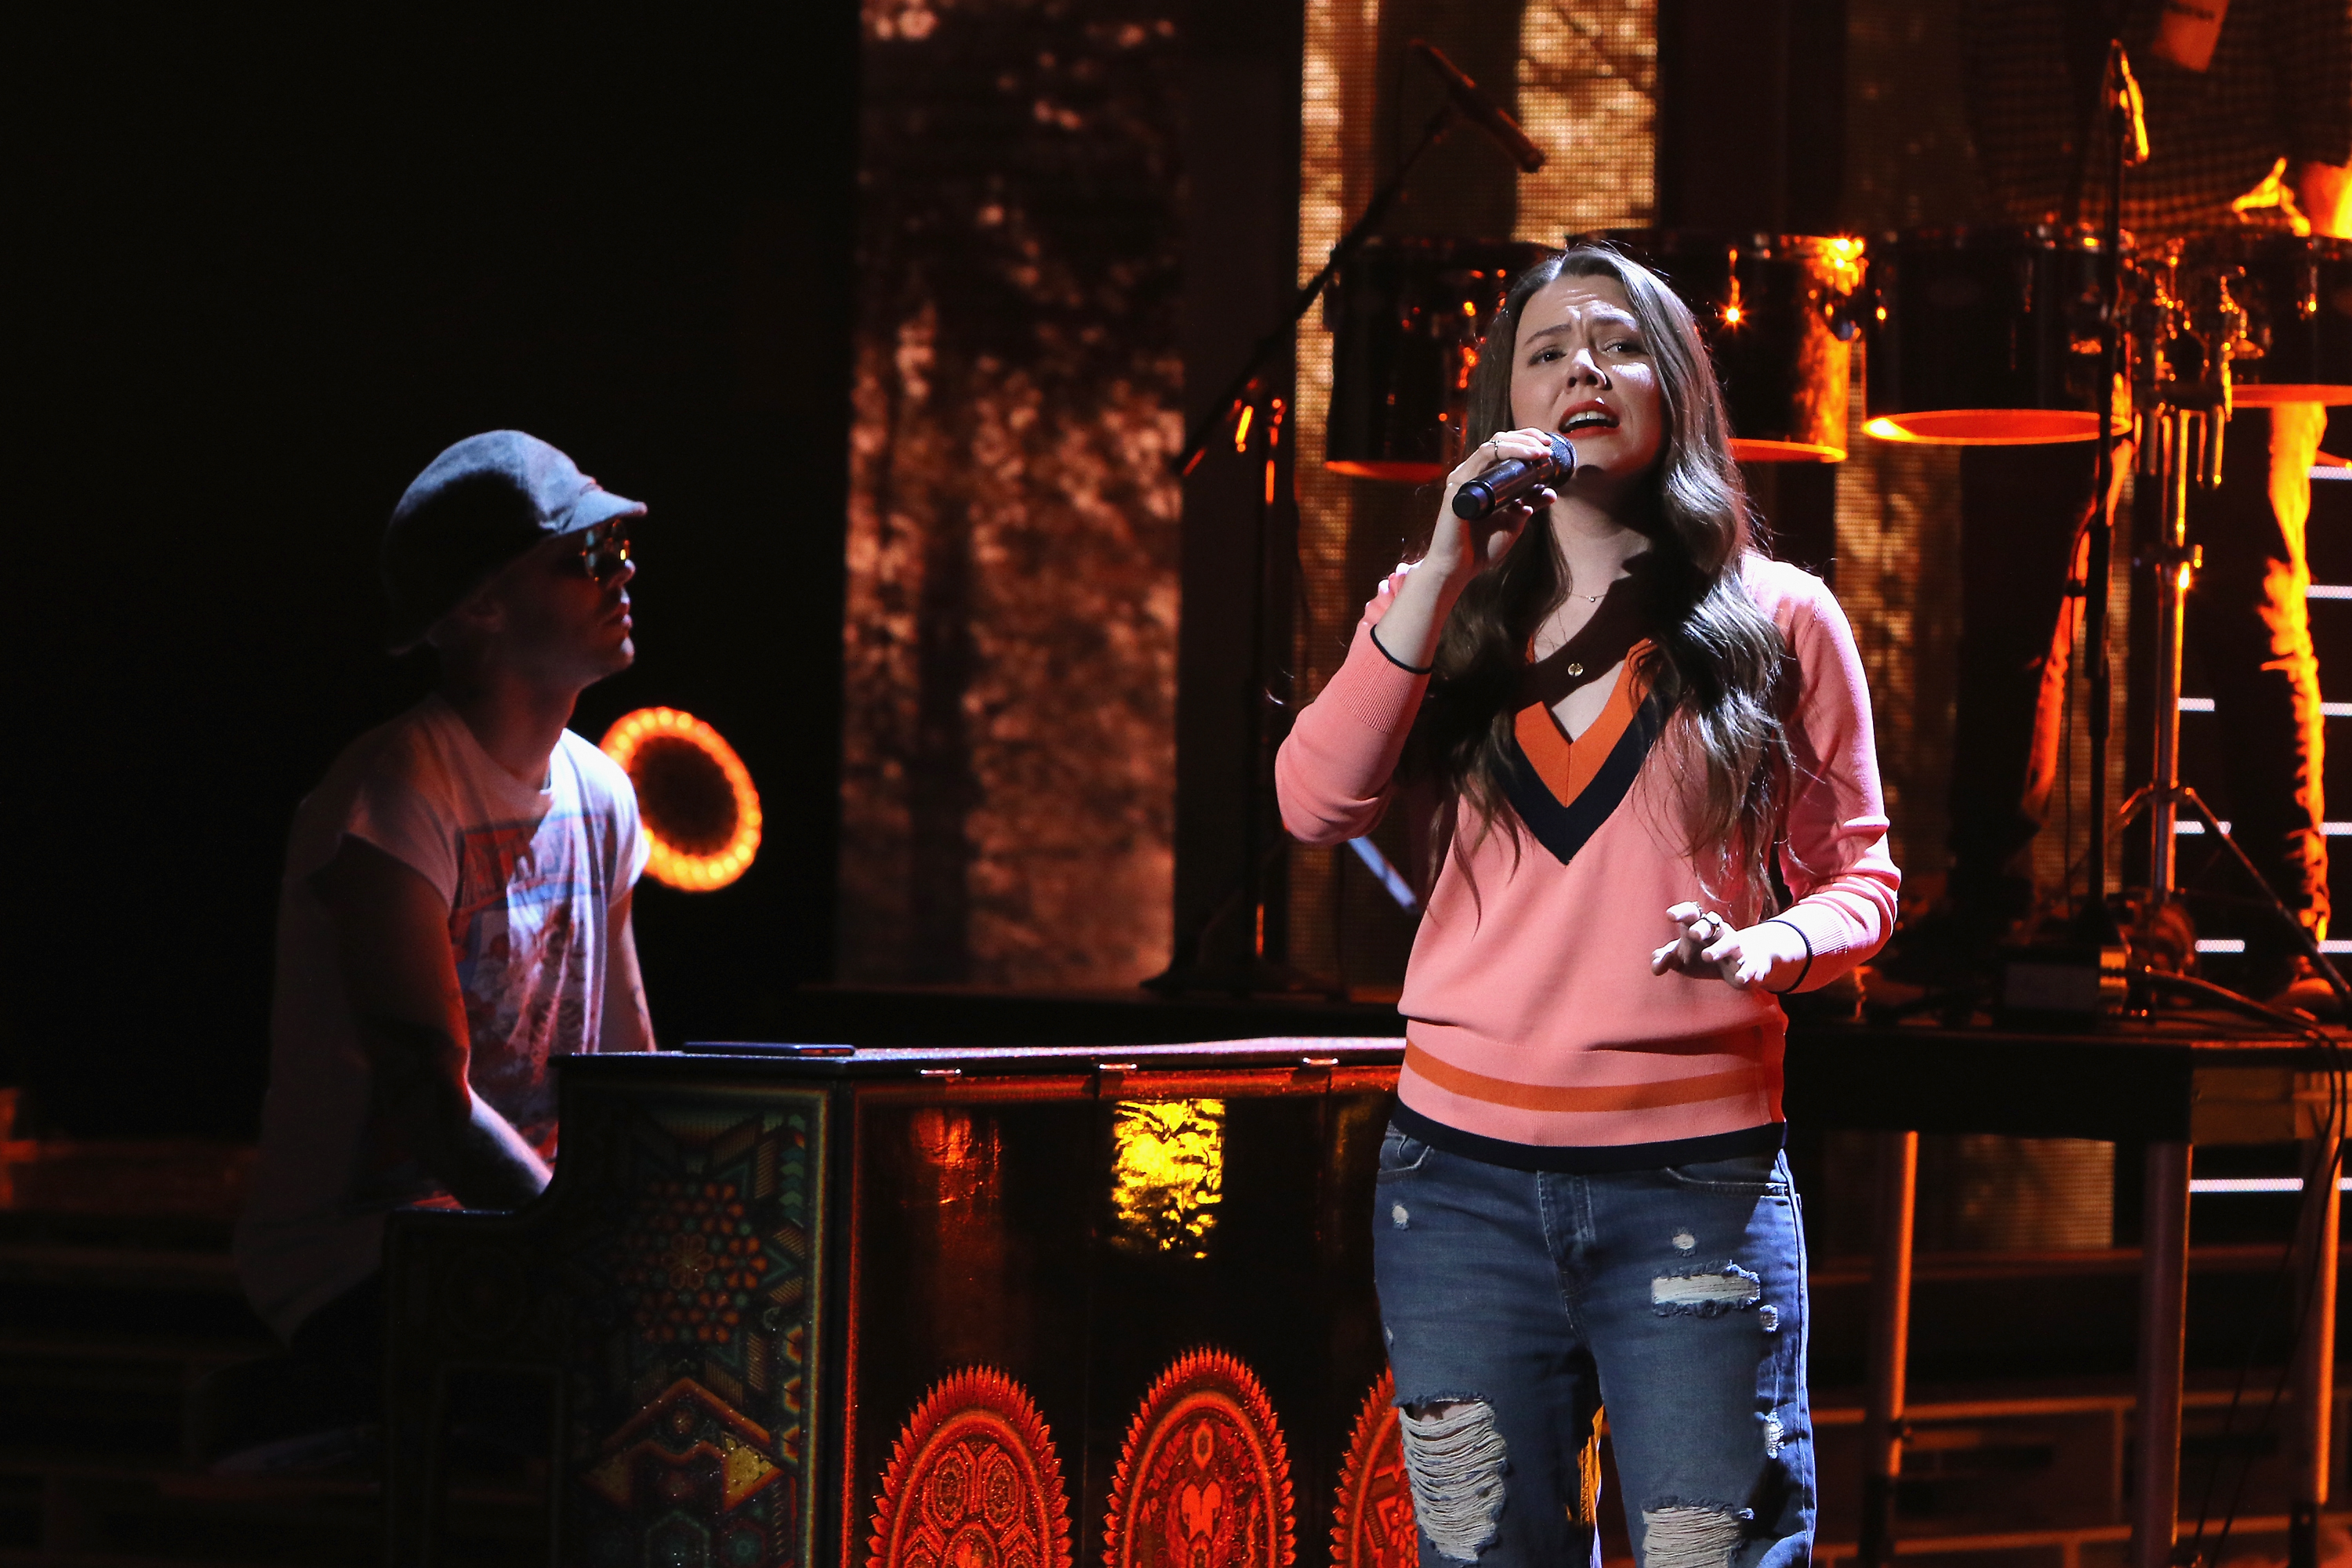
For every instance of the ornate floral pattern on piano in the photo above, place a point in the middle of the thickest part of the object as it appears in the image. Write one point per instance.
(973, 1482)
(693, 1262)
(1372, 1522)
(1203, 1478)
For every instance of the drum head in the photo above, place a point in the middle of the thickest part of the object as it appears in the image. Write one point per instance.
(2264, 395)
(1987, 337)
(2293, 342)
(1988, 427)
(1746, 450)
(1395, 471)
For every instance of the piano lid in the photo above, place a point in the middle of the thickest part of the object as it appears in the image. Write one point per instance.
(826, 1059)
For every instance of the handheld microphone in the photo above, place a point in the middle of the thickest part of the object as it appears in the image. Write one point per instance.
(1481, 111)
(1512, 479)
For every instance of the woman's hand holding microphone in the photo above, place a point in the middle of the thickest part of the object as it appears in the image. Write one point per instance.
(1461, 548)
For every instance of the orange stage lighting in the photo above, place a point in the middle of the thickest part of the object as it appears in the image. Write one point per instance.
(701, 814)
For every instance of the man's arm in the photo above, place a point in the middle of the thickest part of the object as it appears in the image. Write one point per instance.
(2309, 43)
(2324, 192)
(628, 1026)
(391, 941)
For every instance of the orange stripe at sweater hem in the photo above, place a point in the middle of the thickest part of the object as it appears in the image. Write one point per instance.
(1593, 1098)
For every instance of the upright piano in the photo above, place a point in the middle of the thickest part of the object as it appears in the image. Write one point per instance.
(806, 1306)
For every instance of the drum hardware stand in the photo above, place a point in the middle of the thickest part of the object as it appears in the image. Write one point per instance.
(1189, 971)
(2182, 433)
(2174, 411)
(2181, 427)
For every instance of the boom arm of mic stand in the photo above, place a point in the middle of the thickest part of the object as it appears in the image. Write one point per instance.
(1196, 440)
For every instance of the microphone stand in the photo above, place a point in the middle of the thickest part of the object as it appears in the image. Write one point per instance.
(1190, 970)
(2097, 929)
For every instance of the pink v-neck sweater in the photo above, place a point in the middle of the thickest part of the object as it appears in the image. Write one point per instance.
(1532, 1014)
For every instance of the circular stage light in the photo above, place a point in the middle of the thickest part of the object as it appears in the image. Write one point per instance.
(693, 795)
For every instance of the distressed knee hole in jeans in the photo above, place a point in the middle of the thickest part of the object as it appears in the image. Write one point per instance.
(1691, 1535)
(1454, 1460)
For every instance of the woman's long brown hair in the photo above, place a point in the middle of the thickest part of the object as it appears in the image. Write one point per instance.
(1718, 662)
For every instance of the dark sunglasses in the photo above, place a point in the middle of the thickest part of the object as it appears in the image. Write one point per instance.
(604, 549)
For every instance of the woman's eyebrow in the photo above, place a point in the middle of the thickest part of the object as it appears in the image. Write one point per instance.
(1614, 319)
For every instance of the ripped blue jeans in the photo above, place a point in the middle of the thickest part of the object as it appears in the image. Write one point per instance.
(1517, 1303)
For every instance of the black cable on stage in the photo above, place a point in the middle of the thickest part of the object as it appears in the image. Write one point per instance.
(2301, 1317)
(2280, 1277)
(2326, 1163)
(2332, 1146)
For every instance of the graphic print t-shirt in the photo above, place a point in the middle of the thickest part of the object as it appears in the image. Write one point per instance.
(530, 877)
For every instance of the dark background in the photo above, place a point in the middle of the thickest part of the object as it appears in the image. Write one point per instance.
(262, 270)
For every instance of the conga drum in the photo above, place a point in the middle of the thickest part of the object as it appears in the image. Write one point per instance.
(1407, 317)
(1777, 313)
(1987, 337)
(2292, 296)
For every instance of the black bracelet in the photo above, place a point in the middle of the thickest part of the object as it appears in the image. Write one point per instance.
(1799, 980)
(1374, 633)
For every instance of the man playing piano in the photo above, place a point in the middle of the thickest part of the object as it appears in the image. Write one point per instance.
(454, 910)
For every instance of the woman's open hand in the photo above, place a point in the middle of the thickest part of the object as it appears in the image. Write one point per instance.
(1772, 956)
(1459, 549)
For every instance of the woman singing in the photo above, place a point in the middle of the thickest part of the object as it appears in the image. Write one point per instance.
(1629, 713)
